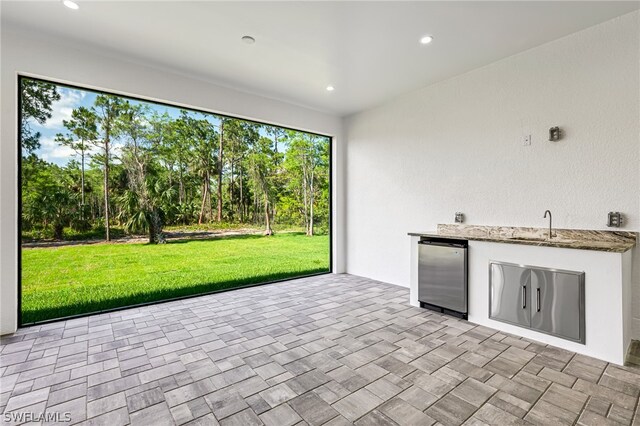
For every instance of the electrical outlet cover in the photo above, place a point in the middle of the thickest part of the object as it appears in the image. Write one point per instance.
(526, 140)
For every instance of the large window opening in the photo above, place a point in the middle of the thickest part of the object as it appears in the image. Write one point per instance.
(125, 202)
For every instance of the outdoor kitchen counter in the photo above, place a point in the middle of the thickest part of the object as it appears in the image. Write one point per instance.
(605, 258)
(581, 239)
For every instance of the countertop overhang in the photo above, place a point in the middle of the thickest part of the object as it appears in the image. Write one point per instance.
(579, 239)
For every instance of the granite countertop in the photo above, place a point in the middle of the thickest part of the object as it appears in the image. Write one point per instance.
(581, 239)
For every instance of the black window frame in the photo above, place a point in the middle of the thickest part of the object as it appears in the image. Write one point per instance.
(172, 105)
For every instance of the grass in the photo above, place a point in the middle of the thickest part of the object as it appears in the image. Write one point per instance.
(64, 281)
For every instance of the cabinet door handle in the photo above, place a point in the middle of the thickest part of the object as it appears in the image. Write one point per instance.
(524, 297)
(538, 299)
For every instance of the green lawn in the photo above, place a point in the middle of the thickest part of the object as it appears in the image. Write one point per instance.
(64, 281)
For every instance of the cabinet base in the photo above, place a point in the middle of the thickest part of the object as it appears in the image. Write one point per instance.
(445, 311)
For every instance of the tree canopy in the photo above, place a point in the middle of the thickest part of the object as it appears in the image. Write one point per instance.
(36, 101)
(139, 169)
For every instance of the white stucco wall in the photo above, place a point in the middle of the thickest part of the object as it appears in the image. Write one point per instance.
(35, 55)
(457, 146)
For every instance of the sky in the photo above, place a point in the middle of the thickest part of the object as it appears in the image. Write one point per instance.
(50, 150)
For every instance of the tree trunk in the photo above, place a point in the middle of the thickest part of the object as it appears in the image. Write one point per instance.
(220, 164)
(82, 188)
(205, 190)
(58, 231)
(155, 228)
(180, 185)
(305, 197)
(255, 208)
(106, 185)
(152, 231)
(275, 140)
(267, 221)
(231, 191)
(241, 199)
(209, 203)
(311, 199)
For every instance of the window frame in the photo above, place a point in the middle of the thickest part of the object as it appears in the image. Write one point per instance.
(22, 77)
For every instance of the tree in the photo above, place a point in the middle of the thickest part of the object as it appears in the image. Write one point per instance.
(168, 161)
(220, 167)
(172, 147)
(201, 134)
(239, 135)
(307, 153)
(47, 200)
(37, 98)
(278, 134)
(142, 201)
(261, 168)
(107, 109)
(155, 168)
(82, 132)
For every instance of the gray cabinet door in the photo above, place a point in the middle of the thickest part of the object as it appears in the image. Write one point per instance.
(508, 294)
(557, 303)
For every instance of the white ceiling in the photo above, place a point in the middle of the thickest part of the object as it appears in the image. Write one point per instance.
(368, 50)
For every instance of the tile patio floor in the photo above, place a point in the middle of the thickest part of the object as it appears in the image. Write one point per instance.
(326, 350)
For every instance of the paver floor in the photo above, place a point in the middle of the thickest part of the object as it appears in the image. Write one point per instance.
(324, 350)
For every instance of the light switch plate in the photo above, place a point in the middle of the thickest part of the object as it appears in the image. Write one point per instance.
(526, 140)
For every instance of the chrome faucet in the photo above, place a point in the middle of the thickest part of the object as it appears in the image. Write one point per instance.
(545, 216)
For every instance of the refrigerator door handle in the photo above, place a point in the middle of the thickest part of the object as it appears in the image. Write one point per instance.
(524, 297)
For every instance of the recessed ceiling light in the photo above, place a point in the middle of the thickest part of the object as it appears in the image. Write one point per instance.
(426, 39)
(71, 5)
(330, 88)
(248, 39)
